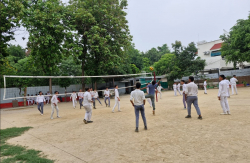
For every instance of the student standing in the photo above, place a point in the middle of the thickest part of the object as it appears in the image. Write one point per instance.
(223, 94)
(205, 86)
(107, 96)
(233, 81)
(40, 100)
(191, 92)
(87, 106)
(117, 99)
(152, 87)
(174, 87)
(178, 88)
(159, 88)
(96, 96)
(183, 93)
(73, 97)
(54, 102)
(149, 99)
(138, 104)
(80, 95)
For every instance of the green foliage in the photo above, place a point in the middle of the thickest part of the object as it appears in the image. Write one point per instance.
(164, 65)
(236, 46)
(134, 57)
(16, 52)
(17, 153)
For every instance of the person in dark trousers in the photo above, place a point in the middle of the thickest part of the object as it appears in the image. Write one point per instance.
(138, 104)
(40, 100)
(191, 93)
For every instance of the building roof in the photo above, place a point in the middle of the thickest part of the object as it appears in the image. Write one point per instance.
(216, 46)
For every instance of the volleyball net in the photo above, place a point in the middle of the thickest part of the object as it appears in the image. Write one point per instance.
(28, 87)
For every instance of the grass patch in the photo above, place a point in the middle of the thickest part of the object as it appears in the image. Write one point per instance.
(16, 153)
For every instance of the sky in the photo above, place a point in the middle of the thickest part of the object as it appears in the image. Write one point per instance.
(153, 23)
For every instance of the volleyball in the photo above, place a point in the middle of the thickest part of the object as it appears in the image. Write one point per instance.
(151, 68)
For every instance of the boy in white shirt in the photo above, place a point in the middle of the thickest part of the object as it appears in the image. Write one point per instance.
(73, 97)
(117, 99)
(40, 101)
(223, 94)
(174, 87)
(48, 97)
(159, 88)
(179, 88)
(80, 95)
(87, 106)
(183, 93)
(233, 81)
(107, 96)
(205, 86)
(191, 92)
(138, 104)
(96, 96)
(29, 100)
(149, 99)
(54, 102)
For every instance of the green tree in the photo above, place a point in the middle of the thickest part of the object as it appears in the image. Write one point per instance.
(135, 57)
(102, 34)
(236, 45)
(44, 22)
(16, 52)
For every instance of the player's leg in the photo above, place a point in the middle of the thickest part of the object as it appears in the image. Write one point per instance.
(232, 87)
(116, 101)
(99, 100)
(41, 108)
(105, 99)
(52, 111)
(184, 101)
(227, 106)
(119, 106)
(93, 99)
(195, 102)
(222, 103)
(38, 107)
(109, 101)
(90, 114)
(57, 111)
(136, 117)
(235, 87)
(189, 102)
(143, 116)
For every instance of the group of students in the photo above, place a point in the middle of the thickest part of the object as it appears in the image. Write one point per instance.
(33, 100)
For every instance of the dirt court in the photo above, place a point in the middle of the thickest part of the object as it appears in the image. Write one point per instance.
(111, 138)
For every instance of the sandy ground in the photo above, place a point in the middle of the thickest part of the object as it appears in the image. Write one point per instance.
(111, 138)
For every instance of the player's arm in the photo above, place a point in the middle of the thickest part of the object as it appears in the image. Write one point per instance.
(131, 98)
(220, 88)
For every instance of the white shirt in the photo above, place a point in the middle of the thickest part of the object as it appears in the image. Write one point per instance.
(179, 86)
(54, 100)
(191, 89)
(80, 95)
(174, 86)
(73, 96)
(116, 94)
(159, 88)
(40, 98)
(205, 83)
(147, 90)
(223, 89)
(233, 80)
(138, 97)
(228, 83)
(87, 99)
(96, 95)
(106, 93)
(92, 94)
(183, 87)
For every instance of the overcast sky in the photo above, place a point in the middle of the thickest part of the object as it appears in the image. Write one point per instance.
(153, 23)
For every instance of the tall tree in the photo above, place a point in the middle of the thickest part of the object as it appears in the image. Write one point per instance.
(102, 34)
(236, 46)
(44, 22)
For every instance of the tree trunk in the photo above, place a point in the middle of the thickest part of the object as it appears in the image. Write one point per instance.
(50, 85)
(25, 99)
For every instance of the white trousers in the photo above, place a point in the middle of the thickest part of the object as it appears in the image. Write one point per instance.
(175, 92)
(88, 113)
(47, 100)
(159, 93)
(53, 108)
(228, 92)
(205, 89)
(233, 86)
(224, 104)
(30, 102)
(74, 102)
(149, 101)
(179, 91)
(116, 103)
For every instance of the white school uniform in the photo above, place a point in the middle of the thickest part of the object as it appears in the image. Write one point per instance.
(149, 99)
(117, 102)
(205, 86)
(87, 100)
(159, 90)
(223, 94)
(80, 95)
(40, 98)
(54, 106)
(178, 88)
(107, 93)
(48, 97)
(174, 87)
(228, 84)
(29, 100)
(74, 97)
(233, 85)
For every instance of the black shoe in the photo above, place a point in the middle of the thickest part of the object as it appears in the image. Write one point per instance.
(145, 128)
(200, 117)
(188, 116)
(86, 122)
(94, 108)
(136, 130)
(90, 121)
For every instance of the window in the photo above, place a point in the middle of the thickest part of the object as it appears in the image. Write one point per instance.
(215, 53)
